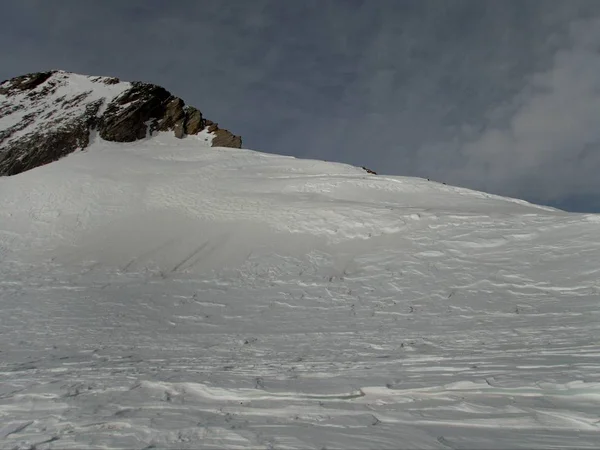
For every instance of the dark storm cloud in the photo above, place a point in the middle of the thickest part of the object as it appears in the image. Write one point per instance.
(497, 95)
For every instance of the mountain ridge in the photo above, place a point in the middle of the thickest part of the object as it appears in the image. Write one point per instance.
(47, 115)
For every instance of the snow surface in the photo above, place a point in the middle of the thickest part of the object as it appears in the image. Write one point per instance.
(167, 294)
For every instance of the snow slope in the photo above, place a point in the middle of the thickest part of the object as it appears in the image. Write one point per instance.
(167, 294)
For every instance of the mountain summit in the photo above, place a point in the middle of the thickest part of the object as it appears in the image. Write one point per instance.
(47, 115)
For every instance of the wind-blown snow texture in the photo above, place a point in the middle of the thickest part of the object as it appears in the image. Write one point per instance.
(164, 293)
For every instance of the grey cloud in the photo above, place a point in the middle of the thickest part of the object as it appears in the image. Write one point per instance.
(550, 147)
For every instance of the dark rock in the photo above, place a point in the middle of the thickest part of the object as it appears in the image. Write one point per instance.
(106, 80)
(224, 138)
(194, 123)
(372, 172)
(211, 127)
(134, 113)
(173, 118)
(25, 82)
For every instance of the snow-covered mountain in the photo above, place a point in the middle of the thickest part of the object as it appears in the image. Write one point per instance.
(166, 293)
(47, 115)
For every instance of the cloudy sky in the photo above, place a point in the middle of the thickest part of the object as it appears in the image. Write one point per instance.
(502, 96)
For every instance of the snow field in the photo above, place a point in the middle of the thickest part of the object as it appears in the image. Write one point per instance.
(165, 294)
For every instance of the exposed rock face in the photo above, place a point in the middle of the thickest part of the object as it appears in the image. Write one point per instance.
(45, 116)
(128, 117)
(194, 121)
(223, 138)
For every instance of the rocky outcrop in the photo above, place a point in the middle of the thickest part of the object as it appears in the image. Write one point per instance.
(194, 122)
(223, 138)
(47, 115)
(369, 171)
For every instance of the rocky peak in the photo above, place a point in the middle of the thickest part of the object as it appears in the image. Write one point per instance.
(45, 116)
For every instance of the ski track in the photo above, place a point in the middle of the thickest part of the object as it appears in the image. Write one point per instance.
(461, 329)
